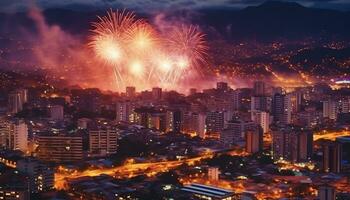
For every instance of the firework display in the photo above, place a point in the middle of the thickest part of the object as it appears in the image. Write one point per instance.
(140, 55)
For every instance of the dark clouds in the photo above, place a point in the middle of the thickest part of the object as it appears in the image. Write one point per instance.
(152, 5)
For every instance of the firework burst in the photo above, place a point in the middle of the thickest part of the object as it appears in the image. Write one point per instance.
(140, 55)
(189, 45)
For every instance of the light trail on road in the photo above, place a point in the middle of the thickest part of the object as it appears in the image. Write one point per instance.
(131, 169)
(128, 170)
(330, 135)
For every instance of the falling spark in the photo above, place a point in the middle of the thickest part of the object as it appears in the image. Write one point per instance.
(140, 56)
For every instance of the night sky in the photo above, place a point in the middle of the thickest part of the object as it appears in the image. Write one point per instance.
(154, 5)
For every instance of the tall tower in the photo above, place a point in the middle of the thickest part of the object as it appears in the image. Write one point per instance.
(282, 109)
(18, 136)
(259, 88)
(123, 110)
(332, 155)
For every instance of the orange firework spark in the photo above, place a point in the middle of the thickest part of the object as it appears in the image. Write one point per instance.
(142, 37)
(108, 38)
(188, 49)
(188, 43)
(140, 56)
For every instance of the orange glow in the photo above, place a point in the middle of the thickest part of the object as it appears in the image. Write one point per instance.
(137, 68)
(330, 135)
(127, 170)
(107, 48)
(162, 57)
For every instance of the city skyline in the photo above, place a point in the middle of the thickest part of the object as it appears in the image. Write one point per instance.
(148, 100)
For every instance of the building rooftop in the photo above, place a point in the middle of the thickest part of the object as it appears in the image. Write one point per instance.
(206, 190)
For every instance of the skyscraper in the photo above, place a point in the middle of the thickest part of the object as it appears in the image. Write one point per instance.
(282, 109)
(124, 110)
(214, 121)
(259, 88)
(4, 132)
(330, 109)
(18, 136)
(332, 155)
(103, 141)
(199, 120)
(262, 103)
(254, 140)
(326, 192)
(263, 119)
(56, 112)
(296, 100)
(293, 144)
(173, 120)
(239, 128)
(236, 99)
(16, 99)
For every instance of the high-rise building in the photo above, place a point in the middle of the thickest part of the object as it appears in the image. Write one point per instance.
(16, 99)
(83, 123)
(56, 112)
(276, 90)
(130, 92)
(223, 86)
(194, 124)
(87, 99)
(259, 88)
(213, 173)
(236, 99)
(17, 138)
(345, 152)
(330, 109)
(262, 103)
(157, 120)
(199, 124)
(326, 192)
(103, 141)
(296, 99)
(41, 177)
(254, 140)
(60, 148)
(151, 117)
(156, 93)
(263, 119)
(282, 109)
(239, 128)
(293, 144)
(24, 94)
(344, 105)
(14, 186)
(4, 132)
(124, 111)
(332, 157)
(227, 137)
(215, 122)
(173, 120)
